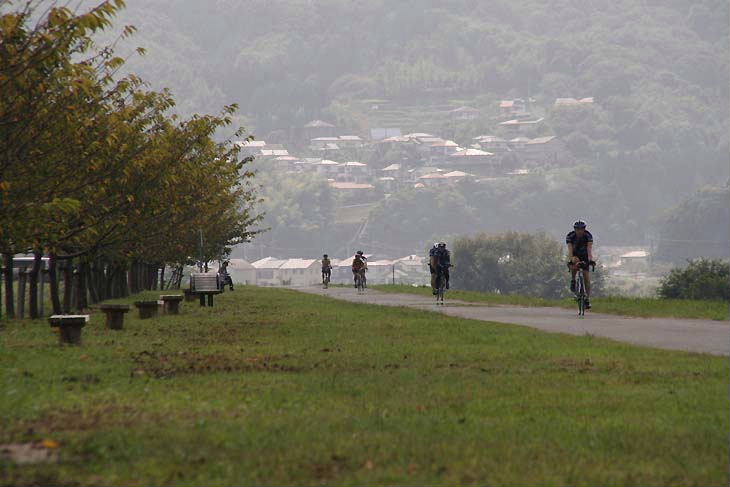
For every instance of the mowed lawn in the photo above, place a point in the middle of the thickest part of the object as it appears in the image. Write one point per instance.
(616, 305)
(276, 387)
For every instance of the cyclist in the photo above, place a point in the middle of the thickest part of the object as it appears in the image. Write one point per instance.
(326, 269)
(359, 266)
(439, 262)
(580, 249)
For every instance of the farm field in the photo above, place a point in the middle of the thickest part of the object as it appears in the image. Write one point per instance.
(277, 387)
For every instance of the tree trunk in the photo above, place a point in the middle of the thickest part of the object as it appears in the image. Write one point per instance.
(22, 278)
(34, 273)
(162, 277)
(81, 291)
(53, 283)
(68, 285)
(9, 298)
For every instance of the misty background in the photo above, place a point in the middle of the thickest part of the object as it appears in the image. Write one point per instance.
(641, 134)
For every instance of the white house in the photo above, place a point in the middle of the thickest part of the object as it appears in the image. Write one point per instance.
(300, 272)
(267, 271)
(242, 272)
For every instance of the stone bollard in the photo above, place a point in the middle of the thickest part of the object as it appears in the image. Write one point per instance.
(70, 327)
(189, 295)
(172, 303)
(147, 309)
(114, 315)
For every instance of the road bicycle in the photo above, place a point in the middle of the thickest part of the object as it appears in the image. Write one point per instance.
(581, 295)
(440, 287)
(360, 282)
(326, 274)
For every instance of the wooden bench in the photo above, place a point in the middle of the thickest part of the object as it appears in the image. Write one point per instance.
(206, 286)
(114, 315)
(172, 303)
(147, 309)
(70, 327)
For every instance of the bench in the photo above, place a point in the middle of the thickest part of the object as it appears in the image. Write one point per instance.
(206, 286)
(70, 327)
(147, 309)
(172, 303)
(114, 315)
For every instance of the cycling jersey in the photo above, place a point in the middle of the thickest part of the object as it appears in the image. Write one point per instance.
(358, 264)
(580, 244)
(326, 264)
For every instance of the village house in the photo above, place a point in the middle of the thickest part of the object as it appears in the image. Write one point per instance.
(301, 272)
(319, 143)
(267, 271)
(354, 192)
(318, 128)
(242, 272)
(510, 108)
(572, 102)
(412, 269)
(357, 172)
(474, 161)
(329, 169)
(464, 114)
(546, 150)
(251, 148)
(493, 144)
(517, 125)
(349, 141)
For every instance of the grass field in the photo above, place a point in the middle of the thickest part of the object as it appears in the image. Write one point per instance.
(276, 387)
(639, 307)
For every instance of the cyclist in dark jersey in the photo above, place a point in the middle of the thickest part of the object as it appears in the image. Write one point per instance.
(580, 249)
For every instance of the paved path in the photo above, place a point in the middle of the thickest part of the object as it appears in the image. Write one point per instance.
(705, 336)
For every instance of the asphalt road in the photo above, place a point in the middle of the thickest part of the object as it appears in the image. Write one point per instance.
(703, 336)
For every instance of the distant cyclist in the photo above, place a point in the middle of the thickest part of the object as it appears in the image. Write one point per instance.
(326, 269)
(359, 267)
(580, 249)
(439, 263)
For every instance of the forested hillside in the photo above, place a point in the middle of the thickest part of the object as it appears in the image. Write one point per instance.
(657, 69)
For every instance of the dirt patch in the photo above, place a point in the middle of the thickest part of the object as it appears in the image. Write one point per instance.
(165, 365)
(573, 364)
(45, 451)
(102, 415)
(330, 469)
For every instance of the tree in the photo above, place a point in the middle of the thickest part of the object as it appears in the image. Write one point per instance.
(700, 279)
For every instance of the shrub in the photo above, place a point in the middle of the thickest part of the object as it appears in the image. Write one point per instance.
(701, 279)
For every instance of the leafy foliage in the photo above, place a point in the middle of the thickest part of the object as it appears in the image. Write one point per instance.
(700, 279)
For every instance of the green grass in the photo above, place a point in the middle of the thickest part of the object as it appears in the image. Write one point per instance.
(639, 307)
(275, 387)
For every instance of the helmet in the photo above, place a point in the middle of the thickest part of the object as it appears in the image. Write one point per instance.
(579, 224)
(325, 256)
(359, 252)
(442, 245)
(435, 244)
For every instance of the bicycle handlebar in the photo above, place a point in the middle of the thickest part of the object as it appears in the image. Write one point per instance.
(585, 265)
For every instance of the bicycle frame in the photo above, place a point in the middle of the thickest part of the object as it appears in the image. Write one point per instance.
(440, 287)
(580, 288)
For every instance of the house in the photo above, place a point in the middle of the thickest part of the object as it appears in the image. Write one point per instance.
(634, 262)
(464, 114)
(251, 148)
(457, 176)
(389, 184)
(492, 143)
(329, 169)
(318, 128)
(433, 179)
(267, 271)
(412, 269)
(474, 161)
(300, 272)
(510, 108)
(518, 143)
(380, 272)
(349, 141)
(548, 149)
(517, 124)
(442, 148)
(357, 172)
(319, 143)
(572, 102)
(242, 272)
